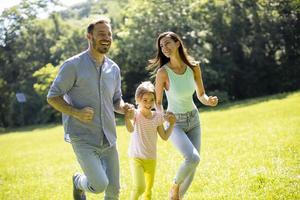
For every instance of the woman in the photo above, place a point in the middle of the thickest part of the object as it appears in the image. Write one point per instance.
(179, 75)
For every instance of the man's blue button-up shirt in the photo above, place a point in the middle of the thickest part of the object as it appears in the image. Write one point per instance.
(83, 85)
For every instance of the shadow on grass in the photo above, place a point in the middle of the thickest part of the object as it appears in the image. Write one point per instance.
(3, 131)
(28, 128)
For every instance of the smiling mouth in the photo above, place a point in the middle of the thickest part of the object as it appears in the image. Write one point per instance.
(105, 43)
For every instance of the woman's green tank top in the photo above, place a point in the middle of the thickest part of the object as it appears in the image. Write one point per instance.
(181, 90)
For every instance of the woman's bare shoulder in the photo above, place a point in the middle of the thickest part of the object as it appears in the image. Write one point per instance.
(162, 72)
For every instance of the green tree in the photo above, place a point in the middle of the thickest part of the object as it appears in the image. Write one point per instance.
(45, 77)
(246, 48)
(23, 47)
(142, 22)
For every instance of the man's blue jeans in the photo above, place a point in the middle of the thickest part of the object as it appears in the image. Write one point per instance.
(186, 137)
(100, 166)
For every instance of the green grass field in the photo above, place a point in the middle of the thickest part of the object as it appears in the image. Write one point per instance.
(250, 150)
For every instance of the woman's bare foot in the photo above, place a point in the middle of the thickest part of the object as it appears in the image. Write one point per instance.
(174, 192)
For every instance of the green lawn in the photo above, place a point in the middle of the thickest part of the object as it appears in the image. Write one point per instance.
(250, 150)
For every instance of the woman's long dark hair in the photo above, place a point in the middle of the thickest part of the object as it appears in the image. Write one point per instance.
(160, 59)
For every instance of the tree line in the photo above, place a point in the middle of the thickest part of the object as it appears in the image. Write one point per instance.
(246, 48)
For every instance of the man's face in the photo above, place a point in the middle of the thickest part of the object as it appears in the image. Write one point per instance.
(101, 38)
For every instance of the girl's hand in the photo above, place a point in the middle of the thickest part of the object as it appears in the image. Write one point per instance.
(170, 117)
(212, 100)
(129, 113)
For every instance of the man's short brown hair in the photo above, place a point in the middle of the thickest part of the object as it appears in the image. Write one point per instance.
(102, 20)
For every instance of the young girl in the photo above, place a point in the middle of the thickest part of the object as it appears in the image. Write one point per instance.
(142, 149)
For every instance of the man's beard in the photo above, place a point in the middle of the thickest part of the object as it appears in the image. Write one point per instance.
(101, 49)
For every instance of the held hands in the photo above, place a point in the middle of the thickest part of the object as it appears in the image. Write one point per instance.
(85, 114)
(127, 106)
(170, 117)
(129, 113)
(128, 110)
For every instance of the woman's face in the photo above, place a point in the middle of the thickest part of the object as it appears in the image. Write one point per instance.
(168, 46)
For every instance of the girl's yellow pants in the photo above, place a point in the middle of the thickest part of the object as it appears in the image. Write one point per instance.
(142, 171)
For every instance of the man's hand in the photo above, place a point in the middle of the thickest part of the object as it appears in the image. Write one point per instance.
(127, 106)
(84, 115)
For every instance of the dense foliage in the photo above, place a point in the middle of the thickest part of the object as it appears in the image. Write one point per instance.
(246, 48)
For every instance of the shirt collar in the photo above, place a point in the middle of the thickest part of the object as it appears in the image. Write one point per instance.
(94, 61)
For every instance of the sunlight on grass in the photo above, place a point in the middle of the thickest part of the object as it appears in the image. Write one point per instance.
(249, 151)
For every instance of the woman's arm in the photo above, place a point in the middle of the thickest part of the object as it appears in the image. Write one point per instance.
(200, 91)
(160, 84)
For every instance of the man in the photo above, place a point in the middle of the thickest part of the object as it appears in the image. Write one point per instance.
(87, 90)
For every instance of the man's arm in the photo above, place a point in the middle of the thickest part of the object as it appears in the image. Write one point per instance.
(85, 115)
(119, 105)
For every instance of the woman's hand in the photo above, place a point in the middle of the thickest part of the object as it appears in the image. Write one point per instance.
(208, 100)
(212, 101)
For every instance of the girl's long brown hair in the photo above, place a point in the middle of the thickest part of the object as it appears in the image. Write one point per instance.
(160, 59)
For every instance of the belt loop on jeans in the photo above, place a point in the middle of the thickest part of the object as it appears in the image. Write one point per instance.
(187, 116)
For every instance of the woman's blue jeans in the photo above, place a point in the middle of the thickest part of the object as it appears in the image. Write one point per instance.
(186, 137)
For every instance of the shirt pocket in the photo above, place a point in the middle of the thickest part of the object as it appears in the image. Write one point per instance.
(109, 83)
(86, 79)
(86, 84)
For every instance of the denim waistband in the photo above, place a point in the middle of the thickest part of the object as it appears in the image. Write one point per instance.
(187, 115)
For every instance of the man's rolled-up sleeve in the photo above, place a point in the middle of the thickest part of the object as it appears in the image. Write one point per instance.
(64, 80)
(117, 98)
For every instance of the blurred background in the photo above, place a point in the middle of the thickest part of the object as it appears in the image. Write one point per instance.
(247, 48)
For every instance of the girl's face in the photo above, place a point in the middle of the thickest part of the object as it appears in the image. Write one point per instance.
(168, 46)
(147, 101)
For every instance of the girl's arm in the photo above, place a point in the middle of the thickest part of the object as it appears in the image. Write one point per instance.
(200, 91)
(129, 115)
(165, 133)
(160, 82)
